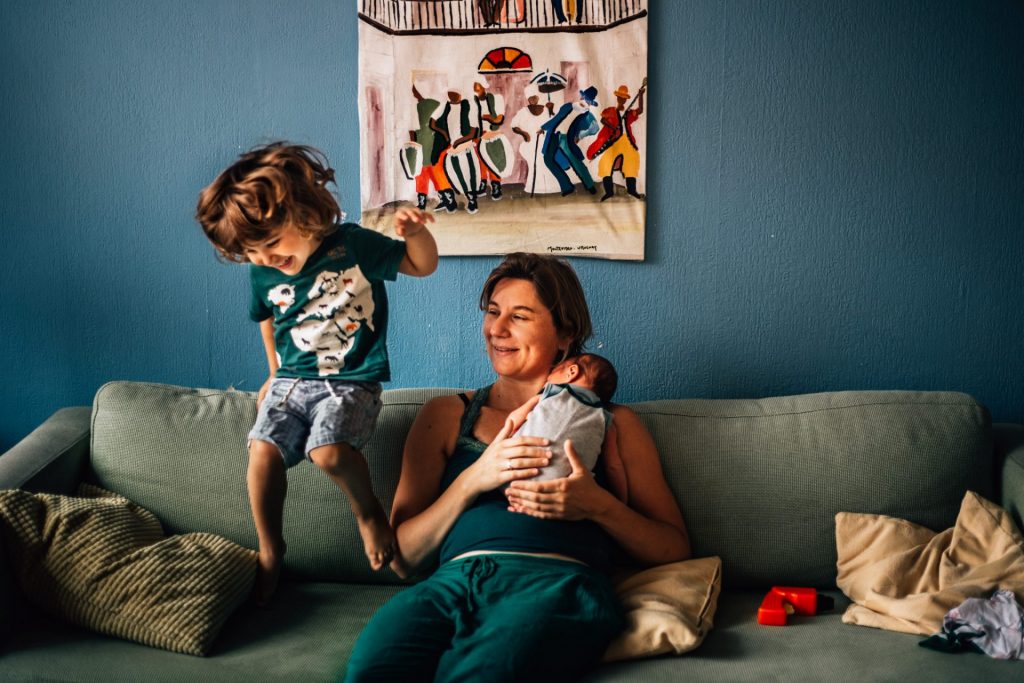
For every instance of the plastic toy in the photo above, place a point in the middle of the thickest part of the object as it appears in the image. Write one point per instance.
(782, 601)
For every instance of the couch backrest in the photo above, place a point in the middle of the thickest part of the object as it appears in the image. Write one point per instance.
(181, 453)
(759, 481)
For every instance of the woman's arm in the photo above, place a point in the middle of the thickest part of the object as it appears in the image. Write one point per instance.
(650, 529)
(420, 519)
(422, 514)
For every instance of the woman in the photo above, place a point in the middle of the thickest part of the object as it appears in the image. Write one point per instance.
(522, 591)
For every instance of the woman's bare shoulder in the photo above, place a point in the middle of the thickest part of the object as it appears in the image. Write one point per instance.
(445, 407)
(439, 419)
(624, 416)
(633, 436)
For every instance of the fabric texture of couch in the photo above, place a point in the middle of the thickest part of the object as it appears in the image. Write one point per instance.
(760, 482)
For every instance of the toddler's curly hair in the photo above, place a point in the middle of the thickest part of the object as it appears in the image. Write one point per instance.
(268, 188)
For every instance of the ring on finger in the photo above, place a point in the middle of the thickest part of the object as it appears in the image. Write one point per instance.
(508, 464)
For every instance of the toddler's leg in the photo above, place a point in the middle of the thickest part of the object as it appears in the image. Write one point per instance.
(347, 468)
(268, 482)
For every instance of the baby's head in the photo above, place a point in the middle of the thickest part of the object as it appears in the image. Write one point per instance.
(268, 190)
(589, 371)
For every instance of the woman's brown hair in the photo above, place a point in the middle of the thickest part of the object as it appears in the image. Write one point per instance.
(558, 288)
(266, 189)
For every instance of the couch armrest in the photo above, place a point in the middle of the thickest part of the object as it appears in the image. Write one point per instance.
(1008, 440)
(52, 457)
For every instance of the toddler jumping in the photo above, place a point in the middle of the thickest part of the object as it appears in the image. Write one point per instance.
(317, 292)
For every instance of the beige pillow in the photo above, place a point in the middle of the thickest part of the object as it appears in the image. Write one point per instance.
(102, 562)
(669, 608)
(905, 577)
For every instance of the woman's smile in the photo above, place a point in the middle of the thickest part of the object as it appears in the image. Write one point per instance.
(519, 330)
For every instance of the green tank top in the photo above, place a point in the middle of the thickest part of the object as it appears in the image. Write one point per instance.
(489, 525)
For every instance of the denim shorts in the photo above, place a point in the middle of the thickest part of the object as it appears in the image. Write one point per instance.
(298, 415)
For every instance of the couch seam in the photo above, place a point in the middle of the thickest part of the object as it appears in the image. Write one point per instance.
(640, 411)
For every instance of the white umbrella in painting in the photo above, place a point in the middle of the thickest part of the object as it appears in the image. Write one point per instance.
(548, 82)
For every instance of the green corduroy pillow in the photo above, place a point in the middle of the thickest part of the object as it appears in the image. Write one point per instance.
(100, 561)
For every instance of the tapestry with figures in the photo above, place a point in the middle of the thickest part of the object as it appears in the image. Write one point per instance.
(521, 124)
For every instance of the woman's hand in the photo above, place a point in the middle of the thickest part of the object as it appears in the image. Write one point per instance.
(574, 497)
(507, 460)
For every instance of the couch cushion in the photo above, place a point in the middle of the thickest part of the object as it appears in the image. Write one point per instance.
(309, 634)
(181, 453)
(305, 635)
(818, 648)
(760, 481)
(100, 561)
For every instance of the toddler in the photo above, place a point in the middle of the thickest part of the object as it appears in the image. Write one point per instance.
(317, 292)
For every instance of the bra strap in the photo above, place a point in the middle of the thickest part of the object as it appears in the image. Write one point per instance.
(472, 411)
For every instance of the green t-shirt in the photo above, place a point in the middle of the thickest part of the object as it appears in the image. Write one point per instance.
(331, 319)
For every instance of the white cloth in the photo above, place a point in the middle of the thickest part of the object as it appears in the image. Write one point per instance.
(992, 625)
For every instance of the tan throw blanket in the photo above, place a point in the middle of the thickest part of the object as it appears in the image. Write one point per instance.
(905, 577)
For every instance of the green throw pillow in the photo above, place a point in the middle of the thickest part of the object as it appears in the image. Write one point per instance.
(100, 561)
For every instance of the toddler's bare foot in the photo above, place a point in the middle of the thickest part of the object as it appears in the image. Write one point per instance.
(268, 571)
(378, 539)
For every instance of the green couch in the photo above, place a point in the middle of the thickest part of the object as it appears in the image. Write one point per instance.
(759, 483)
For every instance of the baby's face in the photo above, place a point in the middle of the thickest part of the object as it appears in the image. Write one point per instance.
(571, 371)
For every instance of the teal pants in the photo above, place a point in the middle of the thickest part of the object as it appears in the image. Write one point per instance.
(491, 618)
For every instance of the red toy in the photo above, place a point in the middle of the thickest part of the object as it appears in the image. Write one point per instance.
(782, 601)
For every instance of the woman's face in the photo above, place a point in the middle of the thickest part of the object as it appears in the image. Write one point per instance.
(522, 341)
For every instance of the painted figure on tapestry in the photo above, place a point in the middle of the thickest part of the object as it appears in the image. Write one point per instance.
(458, 156)
(616, 146)
(527, 124)
(489, 109)
(572, 123)
(432, 169)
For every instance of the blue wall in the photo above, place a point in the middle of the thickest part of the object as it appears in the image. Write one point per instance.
(835, 199)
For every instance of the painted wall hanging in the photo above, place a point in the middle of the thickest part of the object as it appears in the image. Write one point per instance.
(521, 123)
